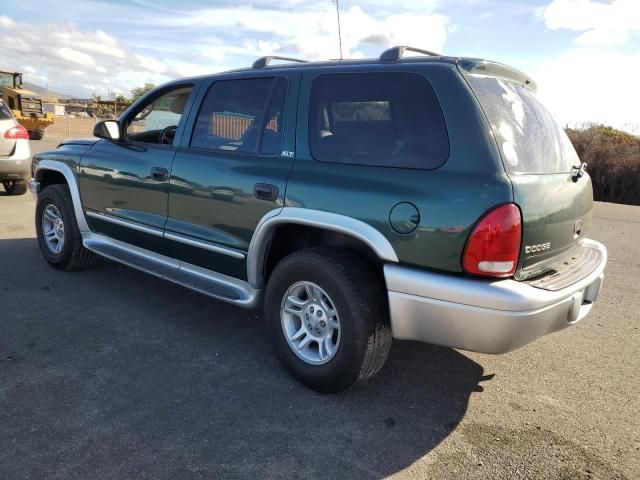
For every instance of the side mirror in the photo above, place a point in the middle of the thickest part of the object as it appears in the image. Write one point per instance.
(107, 129)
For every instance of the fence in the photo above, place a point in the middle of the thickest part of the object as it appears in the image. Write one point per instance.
(222, 125)
(234, 126)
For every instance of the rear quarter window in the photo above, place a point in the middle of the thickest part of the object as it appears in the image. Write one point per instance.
(390, 119)
(529, 139)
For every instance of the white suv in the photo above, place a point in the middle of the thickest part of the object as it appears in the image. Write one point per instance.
(15, 155)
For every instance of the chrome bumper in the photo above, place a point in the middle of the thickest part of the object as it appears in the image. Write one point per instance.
(483, 315)
(34, 186)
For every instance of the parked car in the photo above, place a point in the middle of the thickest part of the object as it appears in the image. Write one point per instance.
(15, 155)
(419, 198)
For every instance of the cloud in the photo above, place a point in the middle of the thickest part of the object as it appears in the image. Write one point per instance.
(377, 39)
(603, 24)
(575, 92)
(75, 56)
(6, 22)
(73, 60)
(151, 64)
(165, 43)
(312, 31)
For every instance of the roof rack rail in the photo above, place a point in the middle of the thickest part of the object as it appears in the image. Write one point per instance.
(266, 61)
(396, 53)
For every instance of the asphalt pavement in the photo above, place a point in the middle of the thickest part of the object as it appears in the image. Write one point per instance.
(111, 373)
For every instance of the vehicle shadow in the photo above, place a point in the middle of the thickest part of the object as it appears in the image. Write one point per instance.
(111, 373)
(3, 192)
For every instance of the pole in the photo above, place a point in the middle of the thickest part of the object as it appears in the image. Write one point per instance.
(339, 29)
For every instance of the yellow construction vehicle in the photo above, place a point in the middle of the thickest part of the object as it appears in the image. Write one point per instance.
(25, 105)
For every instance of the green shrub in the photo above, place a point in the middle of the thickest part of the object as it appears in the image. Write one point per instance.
(613, 162)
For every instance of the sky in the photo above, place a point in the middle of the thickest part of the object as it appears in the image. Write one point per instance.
(583, 54)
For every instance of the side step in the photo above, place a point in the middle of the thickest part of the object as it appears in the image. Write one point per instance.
(213, 284)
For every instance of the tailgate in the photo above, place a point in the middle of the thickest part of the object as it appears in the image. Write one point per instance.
(555, 202)
(556, 213)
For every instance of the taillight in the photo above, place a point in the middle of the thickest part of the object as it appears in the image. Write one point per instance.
(17, 133)
(493, 247)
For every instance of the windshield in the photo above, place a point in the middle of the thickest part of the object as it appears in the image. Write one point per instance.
(6, 80)
(529, 139)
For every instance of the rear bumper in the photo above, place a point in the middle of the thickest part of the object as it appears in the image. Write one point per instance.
(483, 315)
(16, 166)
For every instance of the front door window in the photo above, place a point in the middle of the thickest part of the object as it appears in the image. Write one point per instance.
(157, 120)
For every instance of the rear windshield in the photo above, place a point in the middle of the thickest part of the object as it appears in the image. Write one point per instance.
(529, 139)
(5, 113)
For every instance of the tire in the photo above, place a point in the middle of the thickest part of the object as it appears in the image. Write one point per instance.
(71, 255)
(37, 134)
(14, 188)
(350, 286)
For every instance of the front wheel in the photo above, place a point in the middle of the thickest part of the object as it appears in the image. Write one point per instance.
(57, 230)
(14, 188)
(327, 318)
(37, 134)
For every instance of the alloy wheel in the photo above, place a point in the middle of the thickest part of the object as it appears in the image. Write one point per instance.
(310, 323)
(53, 228)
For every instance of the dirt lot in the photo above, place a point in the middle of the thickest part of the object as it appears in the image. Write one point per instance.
(109, 373)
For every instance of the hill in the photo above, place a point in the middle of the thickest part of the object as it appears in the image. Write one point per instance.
(42, 91)
(613, 162)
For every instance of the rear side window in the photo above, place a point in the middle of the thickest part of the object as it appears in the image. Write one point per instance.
(5, 113)
(390, 119)
(243, 115)
(529, 139)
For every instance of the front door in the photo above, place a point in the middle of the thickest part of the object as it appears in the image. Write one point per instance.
(124, 185)
(232, 170)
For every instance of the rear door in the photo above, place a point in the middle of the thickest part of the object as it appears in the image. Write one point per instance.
(6, 122)
(231, 170)
(554, 195)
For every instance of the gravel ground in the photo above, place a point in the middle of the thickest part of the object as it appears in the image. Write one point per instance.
(109, 373)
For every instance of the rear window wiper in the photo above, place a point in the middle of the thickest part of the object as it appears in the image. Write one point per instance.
(578, 171)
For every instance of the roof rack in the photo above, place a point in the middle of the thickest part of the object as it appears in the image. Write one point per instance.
(396, 53)
(266, 61)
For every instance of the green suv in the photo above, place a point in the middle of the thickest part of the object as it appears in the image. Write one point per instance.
(422, 198)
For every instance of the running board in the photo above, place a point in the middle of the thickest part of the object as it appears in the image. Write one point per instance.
(213, 284)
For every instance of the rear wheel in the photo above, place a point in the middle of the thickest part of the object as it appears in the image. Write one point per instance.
(57, 229)
(37, 134)
(327, 318)
(13, 187)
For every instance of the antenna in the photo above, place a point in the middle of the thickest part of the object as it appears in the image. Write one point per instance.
(339, 31)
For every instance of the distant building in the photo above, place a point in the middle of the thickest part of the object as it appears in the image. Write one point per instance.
(76, 108)
(54, 107)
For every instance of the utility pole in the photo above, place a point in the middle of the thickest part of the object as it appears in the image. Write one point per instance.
(339, 31)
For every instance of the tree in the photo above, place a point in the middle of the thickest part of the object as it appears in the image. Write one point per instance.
(95, 107)
(137, 92)
(122, 100)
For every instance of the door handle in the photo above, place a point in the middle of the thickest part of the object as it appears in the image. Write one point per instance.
(160, 174)
(265, 191)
